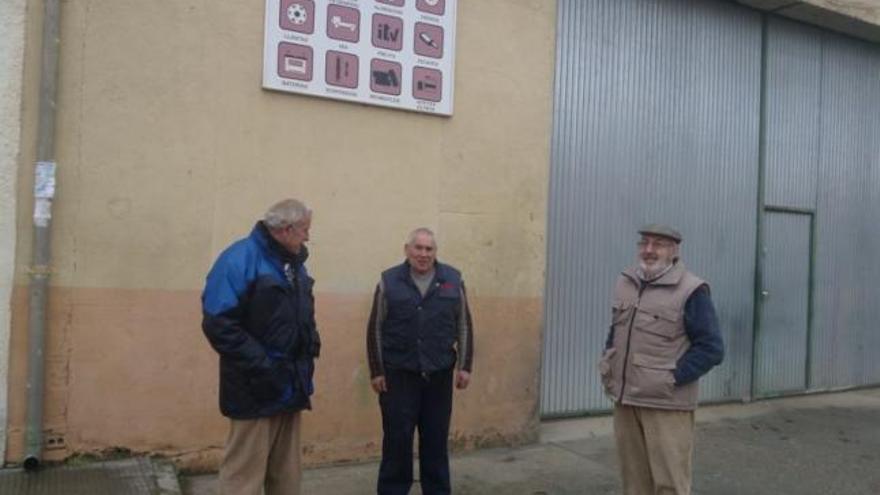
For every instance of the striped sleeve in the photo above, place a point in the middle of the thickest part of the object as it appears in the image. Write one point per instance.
(374, 332)
(465, 334)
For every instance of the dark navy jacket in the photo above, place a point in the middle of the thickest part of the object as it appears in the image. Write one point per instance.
(260, 319)
(419, 333)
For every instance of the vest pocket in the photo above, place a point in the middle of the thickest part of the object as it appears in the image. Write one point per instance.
(650, 377)
(659, 322)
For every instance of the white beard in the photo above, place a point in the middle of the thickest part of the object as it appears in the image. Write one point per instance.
(656, 269)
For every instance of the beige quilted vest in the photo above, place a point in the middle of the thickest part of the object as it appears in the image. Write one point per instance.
(649, 338)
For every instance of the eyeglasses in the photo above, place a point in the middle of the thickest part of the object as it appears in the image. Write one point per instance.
(655, 243)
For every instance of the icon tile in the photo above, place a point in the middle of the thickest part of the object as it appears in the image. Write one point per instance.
(436, 7)
(427, 84)
(385, 76)
(298, 15)
(295, 61)
(428, 40)
(343, 23)
(341, 69)
(387, 32)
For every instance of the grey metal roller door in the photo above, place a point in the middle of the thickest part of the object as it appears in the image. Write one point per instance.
(671, 110)
(656, 119)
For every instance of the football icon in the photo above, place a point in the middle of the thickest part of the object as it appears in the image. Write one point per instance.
(297, 13)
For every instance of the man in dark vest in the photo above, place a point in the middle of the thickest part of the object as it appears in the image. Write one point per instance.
(419, 341)
(664, 336)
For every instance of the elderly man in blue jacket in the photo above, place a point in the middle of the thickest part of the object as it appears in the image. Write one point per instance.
(258, 314)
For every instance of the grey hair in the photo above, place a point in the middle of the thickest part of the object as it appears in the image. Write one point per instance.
(411, 238)
(286, 212)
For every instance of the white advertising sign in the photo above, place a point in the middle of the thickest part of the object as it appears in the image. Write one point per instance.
(393, 53)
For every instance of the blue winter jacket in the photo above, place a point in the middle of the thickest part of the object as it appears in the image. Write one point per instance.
(258, 314)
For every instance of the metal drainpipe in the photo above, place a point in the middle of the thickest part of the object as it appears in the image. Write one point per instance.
(44, 192)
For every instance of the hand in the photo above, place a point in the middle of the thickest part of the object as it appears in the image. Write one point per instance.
(462, 379)
(379, 385)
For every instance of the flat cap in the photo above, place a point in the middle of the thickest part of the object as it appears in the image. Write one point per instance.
(661, 230)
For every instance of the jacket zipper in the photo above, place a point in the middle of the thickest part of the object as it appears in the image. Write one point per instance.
(632, 320)
(421, 315)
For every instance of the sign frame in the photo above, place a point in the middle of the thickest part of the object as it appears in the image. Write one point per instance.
(391, 53)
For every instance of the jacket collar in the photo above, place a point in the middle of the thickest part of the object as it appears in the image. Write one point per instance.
(672, 276)
(404, 270)
(260, 234)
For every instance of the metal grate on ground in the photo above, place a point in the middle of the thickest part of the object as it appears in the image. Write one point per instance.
(139, 476)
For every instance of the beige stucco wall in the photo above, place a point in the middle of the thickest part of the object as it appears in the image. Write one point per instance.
(168, 149)
(11, 58)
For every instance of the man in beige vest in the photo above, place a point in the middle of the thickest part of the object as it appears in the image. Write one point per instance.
(664, 336)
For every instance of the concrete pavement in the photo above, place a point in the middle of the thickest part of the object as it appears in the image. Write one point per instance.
(808, 445)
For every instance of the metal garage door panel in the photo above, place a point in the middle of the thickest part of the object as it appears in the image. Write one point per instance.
(656, 119)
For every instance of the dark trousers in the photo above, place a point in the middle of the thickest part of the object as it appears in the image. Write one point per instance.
(423, 401)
